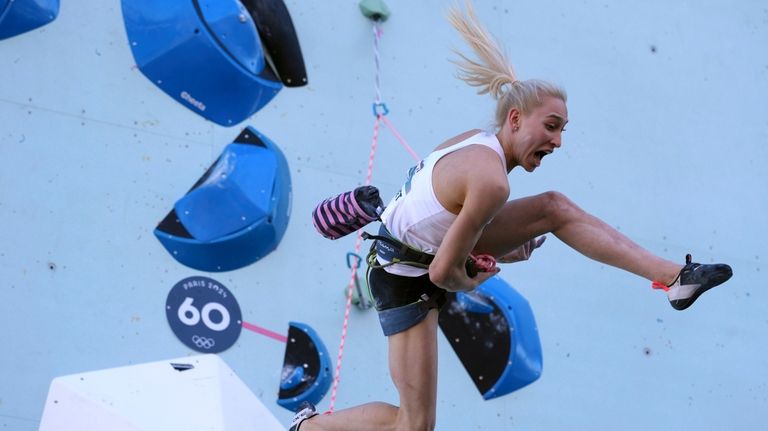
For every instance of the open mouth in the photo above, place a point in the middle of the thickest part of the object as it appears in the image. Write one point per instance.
(540, 154)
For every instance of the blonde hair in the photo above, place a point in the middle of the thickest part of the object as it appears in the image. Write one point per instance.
(492, 72)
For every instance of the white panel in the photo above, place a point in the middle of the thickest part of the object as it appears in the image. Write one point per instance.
(156, 396)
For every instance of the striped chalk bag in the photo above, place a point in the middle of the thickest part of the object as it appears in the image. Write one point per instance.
(346, 213)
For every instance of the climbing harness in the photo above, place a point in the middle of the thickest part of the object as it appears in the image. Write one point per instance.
(395, 251)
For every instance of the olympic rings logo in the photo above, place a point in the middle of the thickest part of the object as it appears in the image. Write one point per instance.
(203, 314)
(203, 342)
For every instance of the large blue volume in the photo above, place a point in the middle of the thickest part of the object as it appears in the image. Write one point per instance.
(206, 54)
(236, 213)
(19, 16)
(494, 334)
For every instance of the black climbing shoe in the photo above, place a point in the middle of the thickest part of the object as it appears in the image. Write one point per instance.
(306, 411)
(693, 280)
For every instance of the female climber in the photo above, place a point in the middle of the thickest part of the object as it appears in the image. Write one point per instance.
(454, 205)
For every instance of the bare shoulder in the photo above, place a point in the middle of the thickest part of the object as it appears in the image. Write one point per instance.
(470, 170)
(470, 157)
(473, 163)
(458, 138)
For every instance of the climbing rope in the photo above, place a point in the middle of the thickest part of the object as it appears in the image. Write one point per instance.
(353, 276)
(377, 12)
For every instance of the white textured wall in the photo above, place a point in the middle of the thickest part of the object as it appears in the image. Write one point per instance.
(667, 141)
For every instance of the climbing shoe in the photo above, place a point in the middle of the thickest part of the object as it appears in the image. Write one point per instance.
(306, 411)
(693, 280)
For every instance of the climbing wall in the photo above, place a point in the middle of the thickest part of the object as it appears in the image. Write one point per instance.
(666, 142)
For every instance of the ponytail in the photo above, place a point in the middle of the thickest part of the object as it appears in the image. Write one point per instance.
(492, 72)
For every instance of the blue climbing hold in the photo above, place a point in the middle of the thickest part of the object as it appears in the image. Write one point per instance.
(306, 372)
(236, 213)
(19, 16)
(292, 377)
(494, 334)
(206, 54)
(474, 302)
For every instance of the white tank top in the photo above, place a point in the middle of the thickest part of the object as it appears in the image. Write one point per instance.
(415, 216)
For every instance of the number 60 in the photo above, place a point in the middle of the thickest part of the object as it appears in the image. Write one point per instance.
(189, 315)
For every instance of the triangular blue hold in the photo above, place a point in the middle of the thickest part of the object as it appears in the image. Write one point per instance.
(306, 374)
(19, 16)
(205, 54)
(236, 194)
(494, 334)
(215, 210)
(236, 213)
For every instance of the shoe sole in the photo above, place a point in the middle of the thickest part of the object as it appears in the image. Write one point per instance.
(716, 280)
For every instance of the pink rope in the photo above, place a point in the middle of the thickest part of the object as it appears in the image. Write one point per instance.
(380, 116)
(351, 285)
(400, 138)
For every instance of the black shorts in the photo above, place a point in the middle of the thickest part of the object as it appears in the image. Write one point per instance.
(403, 302)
